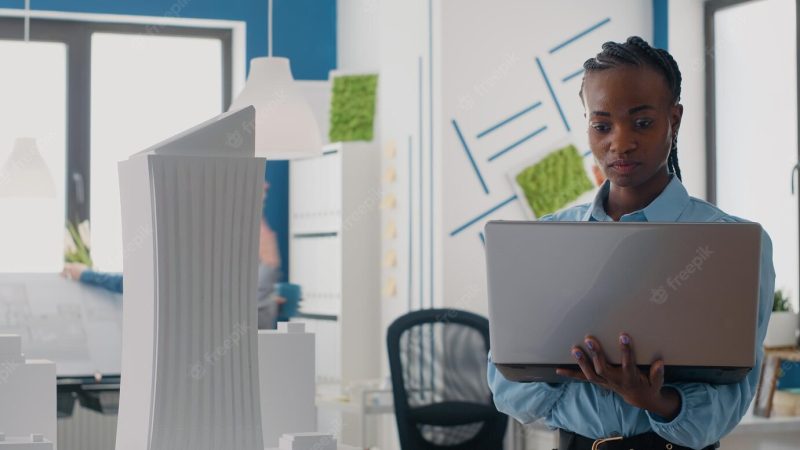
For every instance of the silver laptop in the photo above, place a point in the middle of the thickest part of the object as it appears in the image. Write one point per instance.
(685, 292)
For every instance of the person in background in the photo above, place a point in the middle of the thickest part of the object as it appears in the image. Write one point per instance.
(269, 263)
(80, 272)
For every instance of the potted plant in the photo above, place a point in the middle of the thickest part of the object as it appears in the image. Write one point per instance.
(782, 329)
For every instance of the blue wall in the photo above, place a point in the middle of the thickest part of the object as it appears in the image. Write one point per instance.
(661, 24)
(305, 32)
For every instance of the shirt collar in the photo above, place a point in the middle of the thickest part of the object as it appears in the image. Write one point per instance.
(667, 207)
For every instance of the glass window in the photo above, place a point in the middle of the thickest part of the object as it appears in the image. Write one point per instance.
(33, 121)
(756, 123)
(144, 89)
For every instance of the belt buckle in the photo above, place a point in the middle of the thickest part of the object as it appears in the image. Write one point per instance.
(598, 442)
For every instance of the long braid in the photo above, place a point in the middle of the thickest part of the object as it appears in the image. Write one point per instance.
(637, 52)
(672, 162)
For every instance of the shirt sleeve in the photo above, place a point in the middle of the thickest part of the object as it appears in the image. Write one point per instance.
(708, 411)
(525, 402)
(108, 281)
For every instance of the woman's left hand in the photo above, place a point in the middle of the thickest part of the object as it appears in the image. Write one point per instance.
(73, 271)
(638, 388)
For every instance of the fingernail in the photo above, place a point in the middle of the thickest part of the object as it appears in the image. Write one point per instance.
(590, 345)
(625, 339)
(577, 354)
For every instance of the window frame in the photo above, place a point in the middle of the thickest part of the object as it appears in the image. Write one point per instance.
(710, 8)
(76, 34)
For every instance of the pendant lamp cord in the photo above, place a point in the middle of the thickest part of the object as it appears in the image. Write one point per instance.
(269, 24)
(28, 20)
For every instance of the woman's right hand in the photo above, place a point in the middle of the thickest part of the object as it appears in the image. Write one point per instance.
(638, 387)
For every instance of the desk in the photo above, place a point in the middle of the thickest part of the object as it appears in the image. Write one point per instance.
(364, 401)
(753, 424)
(758, 433)
(752, 433)
(77, 327)
(339, 447)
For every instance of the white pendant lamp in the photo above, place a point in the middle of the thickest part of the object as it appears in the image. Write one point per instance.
(285, 126)
(25, 174)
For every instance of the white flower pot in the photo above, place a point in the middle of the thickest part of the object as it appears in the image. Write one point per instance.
(782, 330)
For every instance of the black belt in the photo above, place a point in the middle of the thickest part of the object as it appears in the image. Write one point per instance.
(645, 441)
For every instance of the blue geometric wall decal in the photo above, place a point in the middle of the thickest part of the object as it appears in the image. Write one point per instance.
(580, 35)
(515, 144)
(483, 215)
(509, 119)
(469, 155)
(572, 75)
(552, 93)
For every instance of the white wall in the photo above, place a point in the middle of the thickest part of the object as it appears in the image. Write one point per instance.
(488, 71)
(473, 61)
(357, 35)
(484, 66)
(687, 46)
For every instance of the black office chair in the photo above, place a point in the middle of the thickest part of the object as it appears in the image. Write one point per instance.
(441, 397)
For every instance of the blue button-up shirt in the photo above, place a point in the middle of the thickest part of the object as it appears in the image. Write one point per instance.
(708, 412)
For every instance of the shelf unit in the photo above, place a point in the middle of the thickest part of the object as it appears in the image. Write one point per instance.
(334, 244)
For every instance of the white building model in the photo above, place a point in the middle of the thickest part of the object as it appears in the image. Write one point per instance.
(32, 442)
(190, 210)
(27, 399)
(286, 359)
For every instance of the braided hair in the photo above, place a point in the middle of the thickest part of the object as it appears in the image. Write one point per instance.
(637, 52)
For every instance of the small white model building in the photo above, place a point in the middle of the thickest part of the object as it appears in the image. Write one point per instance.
(287, 374)
(307, 441)
(28, 393)
(32, 442)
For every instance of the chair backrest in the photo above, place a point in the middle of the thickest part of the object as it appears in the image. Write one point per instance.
(438, 356)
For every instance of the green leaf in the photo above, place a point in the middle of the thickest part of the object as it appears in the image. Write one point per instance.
(781, 302)
(81, 254)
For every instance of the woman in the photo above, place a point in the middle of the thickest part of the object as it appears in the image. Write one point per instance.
(631, 96)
